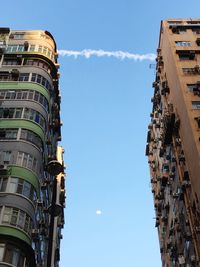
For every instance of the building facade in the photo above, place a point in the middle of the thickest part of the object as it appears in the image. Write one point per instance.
(32, 183)
(173, 142)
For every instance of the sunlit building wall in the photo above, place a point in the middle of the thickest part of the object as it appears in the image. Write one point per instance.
(173, 142)
(32, 183)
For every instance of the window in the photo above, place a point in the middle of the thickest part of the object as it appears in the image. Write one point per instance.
(178, 30)
(198, 41)
(195, 104)
(171, 22)
(194, 88)
(187, 56)
(6, 156)
(33, 78)
(24, 77)
(193, 22)
(10, 113)
(18, 95)
(17, 218)
(41, 80)
(32, 48)
(49, 53)
(2, 95)
(9, 95)
(9, 61)
(8, 134)
(30, 94)
(183, 43)
(28, 161)
(27, 189)
(14, 48)
(22, 94)
(40, 49)
(14, 217)
(18, 36)
(5, 76)
(196, 30)
(6, 215)
(11, 255)
(31, 137)
(191, 71)
(3, 184)
(21, 48)
(34, 115)
(16, 113)
(2, 249)
(18, 186)
(12, 185)
(19, 158)
(198, 121)
(45, 50)
(37, 63)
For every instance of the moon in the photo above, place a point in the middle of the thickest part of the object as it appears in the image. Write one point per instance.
(98, 212)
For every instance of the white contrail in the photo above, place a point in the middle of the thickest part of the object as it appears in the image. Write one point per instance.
(87, 53)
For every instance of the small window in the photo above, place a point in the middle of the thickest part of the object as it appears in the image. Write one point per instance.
(198, 41)
(24, 77)
(33, 78)
(6, 215)
(14, 48)
(36, 96)
(24, 94)
(19, 158)
(30, 95)
(45, 50)
(177, 30)
(49, 53)
(174, 22)
(196, 30)
(186, 56)
(193, 22)
(183, 43)
(29, 62)
(13, 185)
(18, 36)
(7, 156)
(21, 48)
(14, 217)
(18, 113)
(27, 189)
(40, 49)
(19, 95)
(2, 250)
(9, 49)
(39, 78)
(20, 186)
(21, 219)
(3, 184)
(194, 88)
(195, 104)
(32, 48)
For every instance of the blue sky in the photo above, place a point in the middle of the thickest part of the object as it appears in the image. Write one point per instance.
(105, 109)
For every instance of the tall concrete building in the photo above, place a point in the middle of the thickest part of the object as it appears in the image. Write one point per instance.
(32, 183)
(173, 142)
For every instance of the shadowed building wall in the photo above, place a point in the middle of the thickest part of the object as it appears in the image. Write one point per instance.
(173, 142)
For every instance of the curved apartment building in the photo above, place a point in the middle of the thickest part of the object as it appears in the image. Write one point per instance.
(32, 184)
